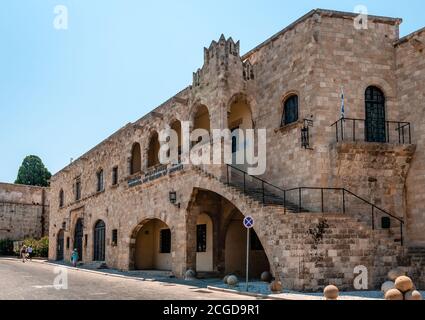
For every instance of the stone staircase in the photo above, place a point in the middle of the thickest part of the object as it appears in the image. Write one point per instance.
(348, 239)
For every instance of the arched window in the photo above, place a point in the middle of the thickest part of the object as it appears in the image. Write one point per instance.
(136, 159)
(153, 151)
(375, 115)
(100, 181)
(61, 198)
(290, 110)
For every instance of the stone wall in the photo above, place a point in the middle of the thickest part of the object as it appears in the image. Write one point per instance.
(24, 212)
(410, 53)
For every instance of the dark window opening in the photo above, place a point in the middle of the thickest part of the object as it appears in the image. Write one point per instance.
(67, 242)
(255, 242)
(201, 238)
(61, 199)
(85, 240)
(115, 176)
(386, 223)
(290, 111)
(100, 184)
(165, 241)
(115, 237)
(77, 190)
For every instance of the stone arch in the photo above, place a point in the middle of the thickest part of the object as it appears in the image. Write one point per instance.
(135, 158)
(139, 227)
(199, 114)
(99, 240)
(239, 205)
(151, 150)
(60, 245)
(248, 100)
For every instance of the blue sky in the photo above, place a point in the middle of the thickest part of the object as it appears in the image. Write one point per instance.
(63, 91)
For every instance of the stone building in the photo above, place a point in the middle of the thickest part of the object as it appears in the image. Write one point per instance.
(24, 212)
(337, 193)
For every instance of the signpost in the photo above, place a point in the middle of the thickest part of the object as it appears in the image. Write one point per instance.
(248, 223)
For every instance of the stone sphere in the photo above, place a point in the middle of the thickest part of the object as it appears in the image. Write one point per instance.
(394, 294)
(387, 286)
(225, 279)
(190, 275)
(404, 284)
(331, 292)
(413, 295)
(232, 280)
(266, 276)
(276, 286)
(395, 273)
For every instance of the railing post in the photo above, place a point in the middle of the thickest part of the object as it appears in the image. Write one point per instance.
(373, 218)
(284, 202)
(336, 129)
(264, 197)
(388, 132)
(354, 130)
(399, 134)
(342, 129)
(227, 170)
(343, 201)
(244, 182)
(323, 205)
(402, 133)
(401, 234)
(299, 200)
(410, 135)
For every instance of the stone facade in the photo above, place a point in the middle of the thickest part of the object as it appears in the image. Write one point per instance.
(24, 212)
(312, 58)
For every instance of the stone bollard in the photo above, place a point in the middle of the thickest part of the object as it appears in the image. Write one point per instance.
(331, 292)
(394, 295)
(404, 284)
(413, 295)
(266, 276)
(190, 275)
(232, 280)
(276, 287)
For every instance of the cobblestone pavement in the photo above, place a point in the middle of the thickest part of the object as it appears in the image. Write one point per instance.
(35, 281)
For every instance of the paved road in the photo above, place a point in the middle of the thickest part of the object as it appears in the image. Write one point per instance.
(35, 281)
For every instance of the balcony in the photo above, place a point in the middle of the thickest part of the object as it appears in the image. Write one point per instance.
(361, 130)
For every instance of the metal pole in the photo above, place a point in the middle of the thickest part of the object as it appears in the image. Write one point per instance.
(247, 258)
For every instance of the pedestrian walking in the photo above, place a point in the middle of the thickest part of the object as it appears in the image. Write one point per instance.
(29, 251)
(23, 253)
(74, 258)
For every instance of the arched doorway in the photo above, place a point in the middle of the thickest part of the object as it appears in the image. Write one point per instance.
(153, 150)
(60, 246)
(78, 238)
(239, 121)
(375, 115)
(153, 246)
(99, 241)
(136, 159)
(204, 243)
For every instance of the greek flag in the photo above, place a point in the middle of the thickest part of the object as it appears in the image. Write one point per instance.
(342, 104)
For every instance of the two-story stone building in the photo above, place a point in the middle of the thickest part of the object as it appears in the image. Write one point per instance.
(337, 193)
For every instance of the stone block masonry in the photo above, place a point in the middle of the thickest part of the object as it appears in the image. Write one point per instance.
(24, 212)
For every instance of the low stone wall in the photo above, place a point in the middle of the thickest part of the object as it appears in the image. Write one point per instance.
(24, 212)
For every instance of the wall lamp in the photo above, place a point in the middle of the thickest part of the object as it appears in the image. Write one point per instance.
(173, 198)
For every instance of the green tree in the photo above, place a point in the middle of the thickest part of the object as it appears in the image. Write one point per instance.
(33, 172)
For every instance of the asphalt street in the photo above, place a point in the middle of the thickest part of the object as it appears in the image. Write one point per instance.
(38, 281)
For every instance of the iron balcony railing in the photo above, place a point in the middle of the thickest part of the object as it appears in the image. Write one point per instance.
(306, 199)
(350, 129)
